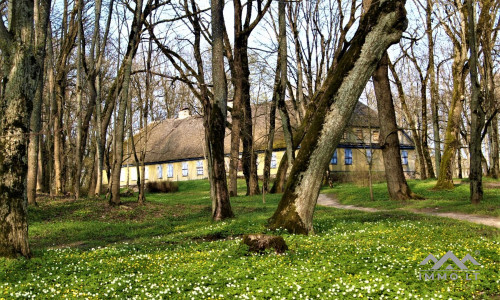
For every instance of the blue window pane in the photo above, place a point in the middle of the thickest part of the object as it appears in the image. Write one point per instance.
(333, 161)
(404, 157)
(348, 156)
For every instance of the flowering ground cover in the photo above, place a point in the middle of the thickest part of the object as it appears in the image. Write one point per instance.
(456, 200)
(171, 249)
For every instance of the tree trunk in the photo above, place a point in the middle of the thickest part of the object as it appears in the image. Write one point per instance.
(411, 121)
(445, 177)
(380, 27)
(270, 135)
(133, 43)
(41, 14)
(434, 87)
(477, 113)
(285, 119)
(23, 66)
(79, 95)
(389, 141)
(215, 119)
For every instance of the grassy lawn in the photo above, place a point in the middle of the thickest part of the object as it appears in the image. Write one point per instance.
(171, 249)
(456, 200)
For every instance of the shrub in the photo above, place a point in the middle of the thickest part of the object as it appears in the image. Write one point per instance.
(162, 187)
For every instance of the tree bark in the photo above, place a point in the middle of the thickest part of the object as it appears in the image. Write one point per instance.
(451, 143)
(23, 67)
(434, 87)
(477, 113)
(215, 119)
(379, 28)
(41, 15)
(411, 121)
(133, 43)
(389, 141)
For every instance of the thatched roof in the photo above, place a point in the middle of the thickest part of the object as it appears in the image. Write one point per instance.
(183, 139)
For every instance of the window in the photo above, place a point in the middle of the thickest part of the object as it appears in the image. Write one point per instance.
(273, 161)
(199, 167)
(368, 156)
(404, 157)
(170, 171)
(133, 173)
(348, 156)
(375, 136)
(146, 173)
(333, 161)
(184, 169)
(159, 171)
(122, 175)
(359, 134)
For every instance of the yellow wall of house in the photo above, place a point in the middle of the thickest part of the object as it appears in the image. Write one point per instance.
(359, 164)
(128, 173)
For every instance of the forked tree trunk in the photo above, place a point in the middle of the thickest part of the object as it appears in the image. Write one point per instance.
(379, 28)
(22, 66)
(389, 141)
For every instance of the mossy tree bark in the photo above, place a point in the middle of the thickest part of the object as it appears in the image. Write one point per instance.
(458, 70)
(379, 28)
(389, 141)
(22, 67)
(451, 142)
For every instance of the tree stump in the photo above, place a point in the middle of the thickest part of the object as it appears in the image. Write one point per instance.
(260, 242)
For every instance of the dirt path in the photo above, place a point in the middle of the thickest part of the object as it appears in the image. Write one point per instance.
(331, 201)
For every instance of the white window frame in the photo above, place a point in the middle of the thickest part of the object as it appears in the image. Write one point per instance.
(274, 161)
(170, 171)
(199, 167)
(185, 169)
(159, 171)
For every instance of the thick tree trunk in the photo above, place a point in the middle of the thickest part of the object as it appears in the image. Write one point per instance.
(389, 141)
(477, 113)
(380, 27)
(23, 67)
(215, 119)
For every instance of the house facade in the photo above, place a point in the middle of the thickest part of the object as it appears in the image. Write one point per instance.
(175, 148)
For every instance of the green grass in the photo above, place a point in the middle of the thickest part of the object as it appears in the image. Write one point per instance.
(456, 200)
(171, 249)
